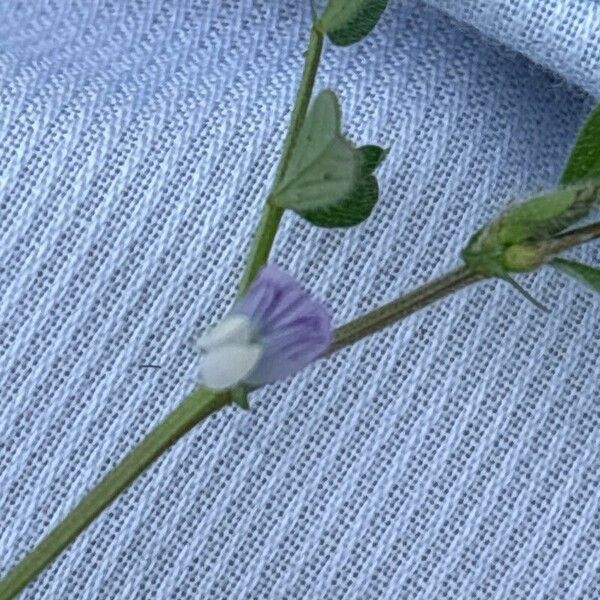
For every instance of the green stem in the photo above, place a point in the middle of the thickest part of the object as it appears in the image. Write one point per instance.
(574, 237)
(262, 243)
(271, 215)
(402, 307)
(196, 407)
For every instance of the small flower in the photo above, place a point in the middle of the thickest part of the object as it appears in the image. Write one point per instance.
(273, 331)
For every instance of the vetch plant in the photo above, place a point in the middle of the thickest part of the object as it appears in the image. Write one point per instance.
(275, 327)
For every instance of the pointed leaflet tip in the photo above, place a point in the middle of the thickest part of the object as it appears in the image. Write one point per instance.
(586, 274)
(525, 293)
(372, 156)
(584, 160)
(239, 395)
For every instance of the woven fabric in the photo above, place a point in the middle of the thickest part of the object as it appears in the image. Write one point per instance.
(452, 456)
(562, 35)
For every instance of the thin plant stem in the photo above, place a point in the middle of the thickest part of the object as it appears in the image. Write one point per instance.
(271, 214)
(402, 307)
(574, 237)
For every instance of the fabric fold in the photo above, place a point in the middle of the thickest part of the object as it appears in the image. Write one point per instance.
(561, 35)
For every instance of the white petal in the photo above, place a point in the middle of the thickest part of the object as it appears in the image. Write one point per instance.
(234, 329)
(227, 365)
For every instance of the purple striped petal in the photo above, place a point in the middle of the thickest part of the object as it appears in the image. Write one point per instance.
(292, 327)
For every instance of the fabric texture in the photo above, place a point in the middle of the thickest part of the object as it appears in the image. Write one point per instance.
(562, 35)
(452, 456)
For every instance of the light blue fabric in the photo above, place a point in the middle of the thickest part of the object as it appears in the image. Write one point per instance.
(453, 456)
(562, 35)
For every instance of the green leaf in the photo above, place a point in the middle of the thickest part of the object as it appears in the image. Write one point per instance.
(544, 216)
(328, 181)
(371, 157)
(586, 274)
(324, 165)
(348, 21)
(359, 203)
(352, 210)
(584, 160)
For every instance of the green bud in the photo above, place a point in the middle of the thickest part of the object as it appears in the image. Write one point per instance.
(535, 218)
(483, 254)
(521, 238)
(524, 257)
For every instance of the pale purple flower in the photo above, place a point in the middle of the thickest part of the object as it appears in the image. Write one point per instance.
(273, 331)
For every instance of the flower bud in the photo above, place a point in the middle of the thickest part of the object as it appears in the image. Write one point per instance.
(524, 257)
(525, 236)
